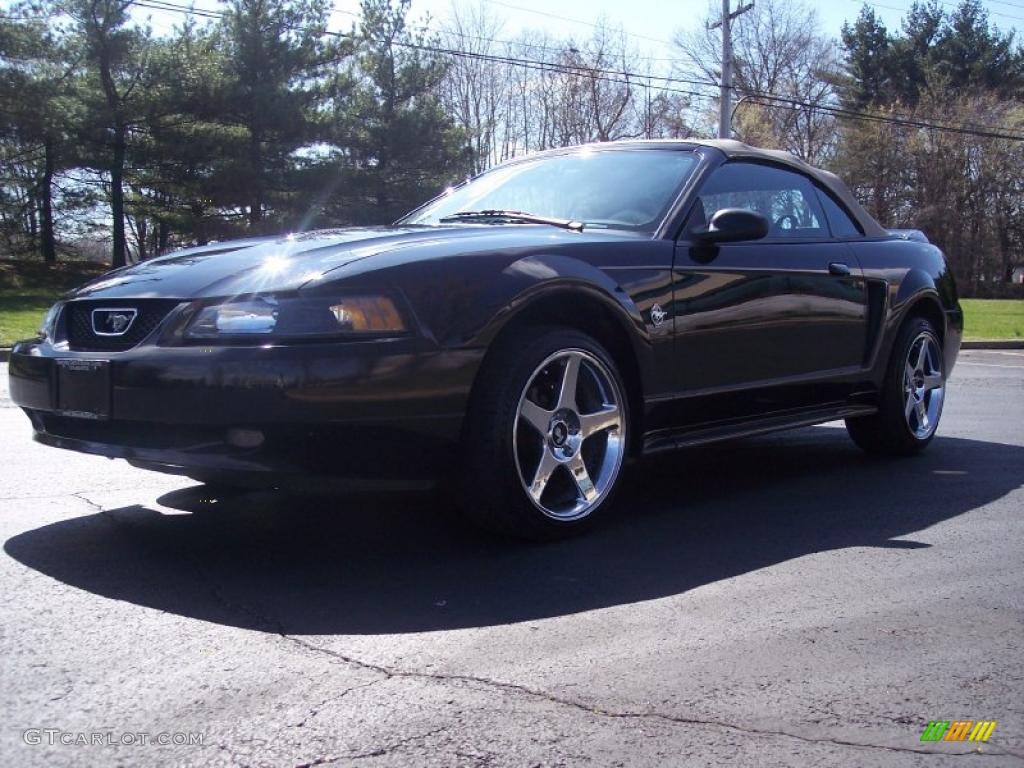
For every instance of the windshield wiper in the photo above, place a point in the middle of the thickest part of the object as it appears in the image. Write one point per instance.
(515, 216)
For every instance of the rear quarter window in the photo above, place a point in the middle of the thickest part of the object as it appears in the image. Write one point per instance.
(840, 222)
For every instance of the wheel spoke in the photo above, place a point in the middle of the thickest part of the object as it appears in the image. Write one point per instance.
(536, 416)
(923, 386)
(545, 468)
(567, 395)
(562, 432)
(591, 423)
(908, 407)
(579, 473)
(922, 356)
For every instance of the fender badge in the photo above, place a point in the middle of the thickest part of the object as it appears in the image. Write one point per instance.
(658, 315)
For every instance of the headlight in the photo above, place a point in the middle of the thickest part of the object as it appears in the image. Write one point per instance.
(48, 328)
(296, 316)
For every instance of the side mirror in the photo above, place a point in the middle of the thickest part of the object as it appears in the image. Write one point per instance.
(732, 225)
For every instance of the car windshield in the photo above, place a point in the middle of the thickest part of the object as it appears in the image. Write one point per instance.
(620, 189)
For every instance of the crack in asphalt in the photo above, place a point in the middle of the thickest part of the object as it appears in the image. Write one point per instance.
(80, 495)
(76, 494)
(389, 673)
(69, 686)
(314, 711)
(378, 752)
(486, 758)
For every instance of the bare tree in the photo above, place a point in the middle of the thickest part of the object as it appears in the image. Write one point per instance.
(780, 57)
(475, 89)
(534, 92)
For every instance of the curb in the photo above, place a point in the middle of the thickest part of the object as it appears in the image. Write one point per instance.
(994, 344)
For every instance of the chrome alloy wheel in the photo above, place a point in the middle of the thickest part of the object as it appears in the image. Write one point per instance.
(569, 434)
(923, 386)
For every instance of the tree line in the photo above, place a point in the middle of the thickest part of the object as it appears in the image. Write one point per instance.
(259, 117)
(250, 122)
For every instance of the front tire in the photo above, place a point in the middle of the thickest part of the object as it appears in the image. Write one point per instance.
(546, 435)
(912, 395)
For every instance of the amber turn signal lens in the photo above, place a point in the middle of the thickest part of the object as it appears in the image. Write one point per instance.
(368, 314)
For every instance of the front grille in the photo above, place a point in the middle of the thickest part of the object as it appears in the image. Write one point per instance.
(82, 337)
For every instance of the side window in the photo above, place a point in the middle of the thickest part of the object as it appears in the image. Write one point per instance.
(839, 220)
(786, 198)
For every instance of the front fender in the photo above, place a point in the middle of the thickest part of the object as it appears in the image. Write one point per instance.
(578, 288)
(532, 277)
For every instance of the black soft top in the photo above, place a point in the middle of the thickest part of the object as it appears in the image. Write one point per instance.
(737, 149)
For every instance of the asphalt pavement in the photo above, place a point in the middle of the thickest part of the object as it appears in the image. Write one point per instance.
(783, 600)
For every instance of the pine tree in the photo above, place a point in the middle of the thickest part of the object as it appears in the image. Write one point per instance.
(869, 60)
(276, 52)
(113, 53)
(182, 189)
(36, 111)
(398, 146)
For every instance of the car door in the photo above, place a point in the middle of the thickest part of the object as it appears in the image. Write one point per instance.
(788, 308)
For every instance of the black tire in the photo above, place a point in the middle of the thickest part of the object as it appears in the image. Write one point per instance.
(490, 490)
(891, 432)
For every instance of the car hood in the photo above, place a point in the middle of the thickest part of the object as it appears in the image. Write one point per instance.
(291, 262)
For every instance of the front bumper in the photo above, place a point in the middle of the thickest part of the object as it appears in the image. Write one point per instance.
(374, 410)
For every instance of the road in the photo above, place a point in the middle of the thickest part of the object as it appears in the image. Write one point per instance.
(777, 601)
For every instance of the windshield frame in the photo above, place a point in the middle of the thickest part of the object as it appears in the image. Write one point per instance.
(662, 228)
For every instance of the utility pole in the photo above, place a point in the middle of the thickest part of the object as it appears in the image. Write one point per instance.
(725, 97)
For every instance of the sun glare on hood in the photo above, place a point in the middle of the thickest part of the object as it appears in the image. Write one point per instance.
(274, 265)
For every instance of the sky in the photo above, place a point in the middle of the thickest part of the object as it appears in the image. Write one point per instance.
(650, 24)
(653, 22)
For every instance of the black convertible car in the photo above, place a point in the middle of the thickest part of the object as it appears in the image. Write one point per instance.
(519, 337)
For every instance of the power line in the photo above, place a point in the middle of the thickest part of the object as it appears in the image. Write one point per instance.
(1005, 2)
(954, 6)
(574, 21)
(626, 77)
(167, 7)
(171, 8)
(631, 76)
(867, 116)
(533, 46)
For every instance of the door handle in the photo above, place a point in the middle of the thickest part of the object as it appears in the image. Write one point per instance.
(839, 269)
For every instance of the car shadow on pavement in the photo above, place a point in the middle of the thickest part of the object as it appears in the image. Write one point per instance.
(355, 565)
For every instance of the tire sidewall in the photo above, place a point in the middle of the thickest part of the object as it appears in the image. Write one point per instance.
(509, 500)
(910, 334)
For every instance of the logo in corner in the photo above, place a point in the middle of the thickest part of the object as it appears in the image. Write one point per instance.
(112, 322)
(658, 315)
(958, 730)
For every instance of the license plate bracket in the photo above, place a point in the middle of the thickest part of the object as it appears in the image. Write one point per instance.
(83, 388)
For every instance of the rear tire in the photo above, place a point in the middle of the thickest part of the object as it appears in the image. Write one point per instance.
(910, 403)
(545, 436)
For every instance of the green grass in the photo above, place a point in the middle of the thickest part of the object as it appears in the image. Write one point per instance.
(27, 289)
(20, 317)
(993, 318)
